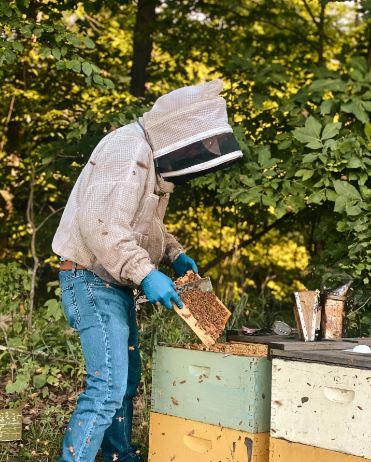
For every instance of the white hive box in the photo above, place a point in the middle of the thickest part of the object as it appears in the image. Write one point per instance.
(322, 405)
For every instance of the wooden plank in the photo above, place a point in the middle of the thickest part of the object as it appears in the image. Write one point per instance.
(290, 343)
(337, 357)
(322, 405)
(287, 451)
(182, 440)
(10, 425)
(215, 388)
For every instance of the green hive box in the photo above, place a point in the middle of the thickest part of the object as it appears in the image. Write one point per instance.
(215, 388)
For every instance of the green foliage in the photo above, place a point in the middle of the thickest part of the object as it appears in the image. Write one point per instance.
(14, 288)
(292, 214)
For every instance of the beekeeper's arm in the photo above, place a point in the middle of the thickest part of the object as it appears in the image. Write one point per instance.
(110, 202)
(179, 260)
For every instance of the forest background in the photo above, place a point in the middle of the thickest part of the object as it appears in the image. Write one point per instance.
(292, 214)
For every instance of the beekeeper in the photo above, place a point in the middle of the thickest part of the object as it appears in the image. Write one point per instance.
(111, 239)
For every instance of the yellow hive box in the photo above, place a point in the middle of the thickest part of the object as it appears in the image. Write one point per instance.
(174, 439)
(285, 451)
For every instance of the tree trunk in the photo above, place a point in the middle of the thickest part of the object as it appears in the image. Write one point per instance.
(321, 32)
(142, 46)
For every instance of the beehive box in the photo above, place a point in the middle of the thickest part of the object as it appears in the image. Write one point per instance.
(173, 439)
(322, 405)
(215, 388)
(286, 451)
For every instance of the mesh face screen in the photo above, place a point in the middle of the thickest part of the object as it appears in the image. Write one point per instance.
(197, 153)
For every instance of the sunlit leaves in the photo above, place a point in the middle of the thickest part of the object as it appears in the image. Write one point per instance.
(310, 133)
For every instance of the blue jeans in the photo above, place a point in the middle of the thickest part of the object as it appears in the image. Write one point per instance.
(104, 316)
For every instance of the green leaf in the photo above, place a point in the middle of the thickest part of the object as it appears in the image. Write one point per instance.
(317, 197)
(310, 133)
(39, 380)
(269, 201)
(328, 85)
(20, 384)
(356, 108)
(76, 65)
(331, 195)
(53, 309)
(305, 173)
(309, 158)
(331, 130)
(353, 210)
(326, 106)
(367, 105)
(86, 68)
(88, 42)
(56, 53)
(354, 162)
(308, 174)
(343, 188)
(359, 63)
(108, 83)
(284, 145)
(264, 155)
(340, 204)
(98, 79)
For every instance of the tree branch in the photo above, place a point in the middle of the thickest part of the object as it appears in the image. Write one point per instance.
(310, 12)
(40, 225)
(245, 243)
(36, 262)
(37, 353)
(8, 118)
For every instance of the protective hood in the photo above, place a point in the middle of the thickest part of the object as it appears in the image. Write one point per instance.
(189, 133)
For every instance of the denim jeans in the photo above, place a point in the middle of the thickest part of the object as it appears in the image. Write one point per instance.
(104, 316)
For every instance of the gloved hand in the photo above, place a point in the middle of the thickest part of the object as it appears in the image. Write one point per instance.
(160, 288)
(184, 263)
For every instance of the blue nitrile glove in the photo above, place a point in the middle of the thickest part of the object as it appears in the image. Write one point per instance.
(184, 263)
(160, 288)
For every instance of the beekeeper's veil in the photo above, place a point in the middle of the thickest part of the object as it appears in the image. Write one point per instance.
(189, 133)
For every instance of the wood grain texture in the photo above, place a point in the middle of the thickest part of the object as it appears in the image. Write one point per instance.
(173, 439)
(286, 451)
(322, 405)
(279, 342)
(337, 357)
(215, 388)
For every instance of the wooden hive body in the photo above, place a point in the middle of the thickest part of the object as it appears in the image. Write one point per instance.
(215, 388)
(321, 405)
(286, 451)
(174, 439)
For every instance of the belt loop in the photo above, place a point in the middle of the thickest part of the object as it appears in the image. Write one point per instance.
(74, 264)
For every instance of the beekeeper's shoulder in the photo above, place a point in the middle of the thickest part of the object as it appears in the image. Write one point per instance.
(125, 144)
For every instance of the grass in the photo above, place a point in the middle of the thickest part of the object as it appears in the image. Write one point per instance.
(44, 421)
(46, 411)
